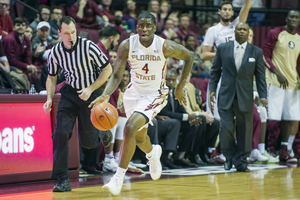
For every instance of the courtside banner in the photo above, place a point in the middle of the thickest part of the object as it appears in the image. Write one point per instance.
(25, 138)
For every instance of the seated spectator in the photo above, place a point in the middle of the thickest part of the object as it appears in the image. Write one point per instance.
(113, 57)
(130, 14)
(199, 69)
(18, 49)
(211, 130)
(3, 59)
(106, 4)
(42, 15)
(183, 31)
(29, 32)
(191, 127)
(176, 22)
(6, 23)
(56, 15)
(41, 47)
(84, 12)
(119, 21)
(169, 33)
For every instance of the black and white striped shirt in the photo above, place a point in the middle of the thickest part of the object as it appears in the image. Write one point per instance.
(80, 64)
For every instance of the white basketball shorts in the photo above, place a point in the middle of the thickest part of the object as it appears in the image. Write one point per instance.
(149, 104)
(283, 104)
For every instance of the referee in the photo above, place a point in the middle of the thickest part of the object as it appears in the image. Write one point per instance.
(80, 59)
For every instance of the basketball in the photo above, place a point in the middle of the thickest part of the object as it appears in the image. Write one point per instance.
(104, 116)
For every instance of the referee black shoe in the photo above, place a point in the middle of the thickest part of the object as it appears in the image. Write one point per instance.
(62, 184)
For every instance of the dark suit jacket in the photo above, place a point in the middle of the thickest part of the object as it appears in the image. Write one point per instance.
(238, 83)
(178, 109)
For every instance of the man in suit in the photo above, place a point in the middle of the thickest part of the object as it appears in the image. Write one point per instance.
(238, 61)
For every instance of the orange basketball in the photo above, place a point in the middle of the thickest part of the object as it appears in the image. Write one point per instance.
(104, 116)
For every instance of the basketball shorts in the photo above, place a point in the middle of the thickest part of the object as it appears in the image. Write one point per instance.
(283, 104)
(149, 104)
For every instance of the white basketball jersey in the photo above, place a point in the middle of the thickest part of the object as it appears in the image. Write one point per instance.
(147, 65)
(219, 34)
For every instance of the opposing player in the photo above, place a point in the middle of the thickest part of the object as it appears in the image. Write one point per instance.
(147, 93)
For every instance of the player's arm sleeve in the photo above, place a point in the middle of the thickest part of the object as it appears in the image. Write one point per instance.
(209, 38)
(98, 56)
(52, 63)
(268, 48)
(215, 72)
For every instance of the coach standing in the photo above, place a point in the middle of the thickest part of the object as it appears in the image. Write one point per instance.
(81, 60)
(237, 61)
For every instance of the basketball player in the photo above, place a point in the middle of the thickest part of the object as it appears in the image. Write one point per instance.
(147, 93)
(281, 53)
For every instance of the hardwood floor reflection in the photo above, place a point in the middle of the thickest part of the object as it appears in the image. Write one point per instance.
(264, 184)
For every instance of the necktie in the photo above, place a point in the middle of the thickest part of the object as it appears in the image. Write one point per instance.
(239, 57)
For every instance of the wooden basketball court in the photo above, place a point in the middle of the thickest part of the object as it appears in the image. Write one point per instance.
(263, 182)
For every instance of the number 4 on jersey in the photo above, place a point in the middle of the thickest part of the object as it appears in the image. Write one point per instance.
(145, 68)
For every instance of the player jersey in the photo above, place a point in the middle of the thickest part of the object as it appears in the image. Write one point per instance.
(147, 65)
(281, 50)
(219, 34)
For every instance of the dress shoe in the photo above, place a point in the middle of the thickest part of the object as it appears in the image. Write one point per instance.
(62, 184)
(228, 165)
(168, 163)
(197, 159)
(184, 163)
(107, 139)
(91, 169)
(246, 169)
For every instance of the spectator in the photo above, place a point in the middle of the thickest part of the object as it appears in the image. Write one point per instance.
(3, 59)
(199, 69)
(130, 14)
(106, 4)
(113, 57)
(119, 22)
(6, 23)
(184, 23)
(18, 49)
(56, 15)
(42, 15)
(282, 58)
(41, 47)
(153, 6)
(85, 11)
(29, 32)
(169, 32)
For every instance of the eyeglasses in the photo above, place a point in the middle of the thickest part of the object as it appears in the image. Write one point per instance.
(57, 13)
(4, 4)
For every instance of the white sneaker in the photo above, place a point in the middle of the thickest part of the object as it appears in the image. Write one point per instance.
(155, 167)
(114, 186)
(222, 157)
(271, 158)
(109, 165)
(256, 156)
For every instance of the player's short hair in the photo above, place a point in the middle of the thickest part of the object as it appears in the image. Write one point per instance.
(19, 20)
(108, 31)
(225, 3)
(147, 15)
(67, 20)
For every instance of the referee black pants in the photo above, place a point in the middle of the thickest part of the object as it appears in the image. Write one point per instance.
(70, 107)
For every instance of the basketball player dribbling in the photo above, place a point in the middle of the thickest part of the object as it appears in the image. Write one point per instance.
(147, 93)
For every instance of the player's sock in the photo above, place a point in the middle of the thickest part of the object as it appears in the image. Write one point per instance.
(261, 147)
(151, 153)
(290, 142)
(120, 173)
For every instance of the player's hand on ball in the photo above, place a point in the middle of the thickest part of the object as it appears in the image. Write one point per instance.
(98, 100)
(48, 106)
(85, 93)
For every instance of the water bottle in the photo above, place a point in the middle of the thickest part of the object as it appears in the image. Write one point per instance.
(32, 90)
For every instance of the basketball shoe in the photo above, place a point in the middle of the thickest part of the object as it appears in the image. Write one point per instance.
(271, 159)
(255, 155)
(155, 167)
(284, 156)
(110, 165)
(114, 186)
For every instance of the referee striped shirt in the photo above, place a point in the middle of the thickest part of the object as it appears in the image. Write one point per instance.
(80, 63)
